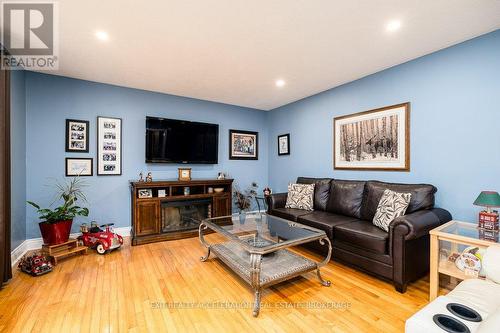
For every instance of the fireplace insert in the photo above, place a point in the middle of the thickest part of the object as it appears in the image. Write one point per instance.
(184, 214)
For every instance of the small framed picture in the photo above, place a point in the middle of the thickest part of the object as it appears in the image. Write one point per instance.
(109, 146)
(185, 174)
(243, 145)
(79, 167)
(77, 136)
(162, 193)
(284, 144)
(145, 193)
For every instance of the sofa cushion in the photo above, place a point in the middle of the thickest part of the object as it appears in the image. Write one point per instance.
(491, 263)
(300, 196)
(422, 196)
(391, 205)
(346, 197)
(321, 190)
(363, 234)
(289, 213)
(491, 323)
(324, 221)
(481, 295)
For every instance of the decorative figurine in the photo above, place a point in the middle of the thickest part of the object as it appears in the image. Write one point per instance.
(101, 240)
(141, 177)
(267, 191)
(221, 175)
(149, 178)
(35, 264)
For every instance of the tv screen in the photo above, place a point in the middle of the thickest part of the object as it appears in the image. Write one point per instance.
(180, 141)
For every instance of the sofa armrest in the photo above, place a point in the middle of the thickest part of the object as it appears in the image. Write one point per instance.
(277, 200)
(409, 239)
(419, 223)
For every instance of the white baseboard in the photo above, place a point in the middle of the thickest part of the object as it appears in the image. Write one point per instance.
(36, 244)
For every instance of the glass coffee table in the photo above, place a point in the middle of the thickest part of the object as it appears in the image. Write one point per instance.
(254, 246)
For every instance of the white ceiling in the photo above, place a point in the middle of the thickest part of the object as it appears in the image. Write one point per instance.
(233, 51)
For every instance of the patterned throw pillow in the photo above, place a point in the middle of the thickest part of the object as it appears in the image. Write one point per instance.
(300, 196)
(391, 205)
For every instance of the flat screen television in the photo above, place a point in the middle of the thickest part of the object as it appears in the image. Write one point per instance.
(181, 141)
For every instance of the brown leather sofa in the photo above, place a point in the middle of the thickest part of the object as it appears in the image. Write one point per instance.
(344, 209)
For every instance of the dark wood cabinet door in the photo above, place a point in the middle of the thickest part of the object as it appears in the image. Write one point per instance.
(222, 205)
(147, 218)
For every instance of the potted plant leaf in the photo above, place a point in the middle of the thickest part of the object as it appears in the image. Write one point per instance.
(243, 199)
(55, 225)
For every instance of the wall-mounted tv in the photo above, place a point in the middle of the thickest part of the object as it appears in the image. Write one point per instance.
(181, 141)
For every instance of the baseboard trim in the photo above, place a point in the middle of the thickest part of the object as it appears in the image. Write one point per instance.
(36, 244)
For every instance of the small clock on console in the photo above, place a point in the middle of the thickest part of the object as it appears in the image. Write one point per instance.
(184, 174)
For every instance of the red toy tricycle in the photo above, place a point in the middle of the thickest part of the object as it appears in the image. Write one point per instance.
(100, 240)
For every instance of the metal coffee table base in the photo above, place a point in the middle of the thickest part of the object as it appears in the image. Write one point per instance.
(264, 270)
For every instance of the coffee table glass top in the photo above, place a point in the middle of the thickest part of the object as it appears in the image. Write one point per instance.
(470, 230)
(263, 233)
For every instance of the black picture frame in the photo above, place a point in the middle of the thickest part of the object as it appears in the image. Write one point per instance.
(287, 137)
(70, 141)
(234, 155)
(67, 171)
(101, 163)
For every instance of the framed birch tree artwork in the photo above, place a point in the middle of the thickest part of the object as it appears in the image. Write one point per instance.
(373, 140)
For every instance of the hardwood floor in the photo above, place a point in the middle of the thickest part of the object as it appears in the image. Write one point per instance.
(129, 291)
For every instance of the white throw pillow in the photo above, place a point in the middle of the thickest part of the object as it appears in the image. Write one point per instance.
(491, 263)
(391, 205)
(300, 196)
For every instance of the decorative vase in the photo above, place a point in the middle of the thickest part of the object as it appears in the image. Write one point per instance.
(243, 216)
(55, 233)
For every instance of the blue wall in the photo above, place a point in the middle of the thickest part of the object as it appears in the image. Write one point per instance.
(455, 118)
(52, 99)
(18, 157)
(455, 140)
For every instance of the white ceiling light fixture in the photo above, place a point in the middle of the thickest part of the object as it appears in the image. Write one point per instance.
(102, 35)
(280, 83)
(393, 26)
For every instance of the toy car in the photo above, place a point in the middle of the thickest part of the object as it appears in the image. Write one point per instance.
(101, 240)
(35, 264)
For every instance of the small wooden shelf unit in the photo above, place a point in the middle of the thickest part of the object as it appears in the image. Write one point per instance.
(60, 251)
(146, 214)
(445, 267)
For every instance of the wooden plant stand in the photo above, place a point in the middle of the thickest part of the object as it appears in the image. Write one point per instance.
(62, 250)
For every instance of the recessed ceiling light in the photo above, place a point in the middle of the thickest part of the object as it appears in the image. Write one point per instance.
(393, 25)
(280, 83)
(102, 35)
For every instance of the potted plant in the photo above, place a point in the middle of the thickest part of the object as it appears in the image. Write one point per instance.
(55, 225)
(243, 199)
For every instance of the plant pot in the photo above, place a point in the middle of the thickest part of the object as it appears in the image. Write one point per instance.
(55, 233)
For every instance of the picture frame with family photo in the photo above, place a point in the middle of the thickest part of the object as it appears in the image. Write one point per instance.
(77, 136)
(109, 148)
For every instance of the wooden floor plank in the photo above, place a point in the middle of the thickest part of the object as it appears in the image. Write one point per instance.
(133, 290)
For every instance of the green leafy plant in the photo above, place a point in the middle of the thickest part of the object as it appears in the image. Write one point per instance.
(243, 199)
(69, 193)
